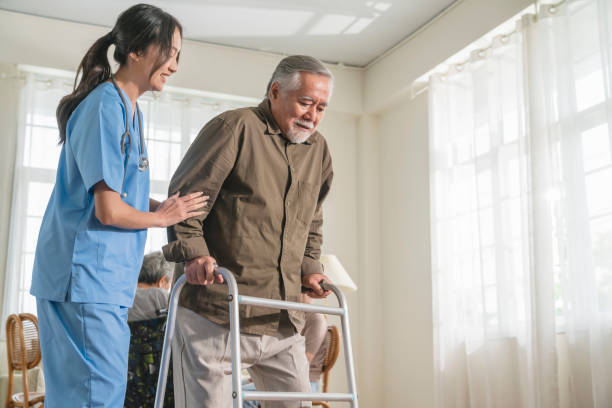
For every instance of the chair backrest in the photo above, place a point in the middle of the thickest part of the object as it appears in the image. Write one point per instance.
(22, 341)
(332, 353)
(23, 352)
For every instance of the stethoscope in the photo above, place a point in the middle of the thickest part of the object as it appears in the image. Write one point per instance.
(143, 161)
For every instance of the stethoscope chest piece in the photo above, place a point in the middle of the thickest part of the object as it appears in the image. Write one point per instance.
(143, 163)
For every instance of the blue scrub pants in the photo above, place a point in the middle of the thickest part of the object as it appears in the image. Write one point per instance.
(85, 353)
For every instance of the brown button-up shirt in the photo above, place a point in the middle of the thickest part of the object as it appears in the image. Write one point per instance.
(263, 221)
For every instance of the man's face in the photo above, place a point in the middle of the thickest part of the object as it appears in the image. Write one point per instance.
(299, 111)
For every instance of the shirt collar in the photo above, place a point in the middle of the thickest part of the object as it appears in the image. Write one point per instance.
(272, 127)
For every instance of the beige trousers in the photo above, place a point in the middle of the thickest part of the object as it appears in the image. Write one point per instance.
(201, 353)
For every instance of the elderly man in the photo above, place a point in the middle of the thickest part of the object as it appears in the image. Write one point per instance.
(267, 171)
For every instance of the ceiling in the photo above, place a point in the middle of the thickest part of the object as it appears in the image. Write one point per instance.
(352, 32)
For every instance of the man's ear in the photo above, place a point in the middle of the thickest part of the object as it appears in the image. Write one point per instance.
(274, 90)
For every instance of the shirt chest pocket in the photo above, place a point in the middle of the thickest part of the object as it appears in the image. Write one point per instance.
(248, 216)
(307, 201)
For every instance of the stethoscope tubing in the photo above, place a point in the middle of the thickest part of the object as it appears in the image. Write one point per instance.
(143, 161)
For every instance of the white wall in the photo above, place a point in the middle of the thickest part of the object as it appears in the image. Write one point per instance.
(407, 301)
(340, 218)
(372, 342)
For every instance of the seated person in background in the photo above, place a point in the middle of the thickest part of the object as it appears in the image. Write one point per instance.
(314, 332)
(147, 319)
(151, 298)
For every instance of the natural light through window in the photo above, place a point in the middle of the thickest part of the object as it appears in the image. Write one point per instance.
(484, 178)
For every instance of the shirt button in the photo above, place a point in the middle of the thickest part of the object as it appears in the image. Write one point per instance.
(124, 195)
(288, 202)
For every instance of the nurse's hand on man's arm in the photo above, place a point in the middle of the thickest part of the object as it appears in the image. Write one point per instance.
(110, 209)
(201, 271)
(176, 209)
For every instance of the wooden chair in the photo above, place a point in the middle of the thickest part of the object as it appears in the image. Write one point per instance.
(333, 337)
(23, 351)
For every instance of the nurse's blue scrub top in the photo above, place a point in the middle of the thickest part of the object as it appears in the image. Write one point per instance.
(79, 259)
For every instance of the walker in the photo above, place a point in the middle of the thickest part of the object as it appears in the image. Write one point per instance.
(234, 300)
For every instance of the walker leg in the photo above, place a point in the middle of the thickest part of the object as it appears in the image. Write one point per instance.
(168, 336)
(234, 302)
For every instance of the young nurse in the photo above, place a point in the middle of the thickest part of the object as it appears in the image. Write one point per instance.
(92, 238)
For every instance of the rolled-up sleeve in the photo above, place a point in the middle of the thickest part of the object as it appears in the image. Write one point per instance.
(204, 168)
(312, 254)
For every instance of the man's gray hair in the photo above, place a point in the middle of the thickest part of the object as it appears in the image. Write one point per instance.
(287, 72)
(154, 266)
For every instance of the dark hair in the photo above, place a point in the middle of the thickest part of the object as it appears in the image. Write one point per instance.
(154, 267)
(136, 28)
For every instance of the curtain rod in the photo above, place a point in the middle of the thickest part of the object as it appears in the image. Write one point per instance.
(174, 94)
(419, 87)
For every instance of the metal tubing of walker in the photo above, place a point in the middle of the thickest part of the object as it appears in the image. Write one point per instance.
(346, 338)
(235, 335)
(342, 311)
(168, 336)
(170, 330)
(295, 396)
(281, 304)
(234, 301)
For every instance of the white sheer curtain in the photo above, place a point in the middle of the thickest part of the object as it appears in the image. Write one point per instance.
(521, 186)
(172, 120)
(35, 166)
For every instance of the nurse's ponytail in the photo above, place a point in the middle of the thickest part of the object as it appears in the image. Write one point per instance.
(95, 69)
(136, 28)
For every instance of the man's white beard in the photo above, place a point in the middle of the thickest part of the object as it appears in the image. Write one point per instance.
(298, 135)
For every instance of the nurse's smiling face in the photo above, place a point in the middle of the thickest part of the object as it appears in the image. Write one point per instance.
(147, 62)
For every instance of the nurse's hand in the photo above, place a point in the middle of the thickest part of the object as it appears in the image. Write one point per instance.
(176, 209)
(201, 271)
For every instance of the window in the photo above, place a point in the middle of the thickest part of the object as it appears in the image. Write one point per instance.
(172, 120)
(483, 186)
(521, 168)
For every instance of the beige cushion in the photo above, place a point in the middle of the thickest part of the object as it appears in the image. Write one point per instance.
(20, 399)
